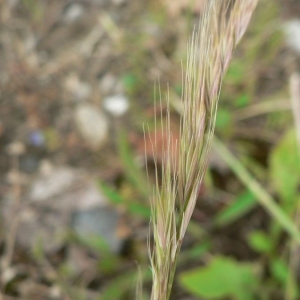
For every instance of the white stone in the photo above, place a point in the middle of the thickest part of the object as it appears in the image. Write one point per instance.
(92, 124)
(292, 31)
(73, 12)
(117, 105)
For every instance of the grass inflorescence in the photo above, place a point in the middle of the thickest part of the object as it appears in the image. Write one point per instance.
(185, 159)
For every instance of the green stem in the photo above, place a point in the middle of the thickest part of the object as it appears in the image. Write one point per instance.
(172, 274)
(263, 197)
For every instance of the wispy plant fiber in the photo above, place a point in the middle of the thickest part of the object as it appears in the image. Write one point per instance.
(176, 188)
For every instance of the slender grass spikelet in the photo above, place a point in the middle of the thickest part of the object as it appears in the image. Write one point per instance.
(176, 187)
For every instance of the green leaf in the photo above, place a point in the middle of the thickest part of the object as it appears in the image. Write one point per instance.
(222, 277)
(285, 169)
(112, 195)
(195, 252)
(280, 270)
(260, 242)
(124, 284)
(264, 198)
(98, 245)
(133, 173)
(242, 205)
(141, 210)
(117, 288)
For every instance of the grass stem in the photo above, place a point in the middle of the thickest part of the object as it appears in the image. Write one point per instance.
(262, 196)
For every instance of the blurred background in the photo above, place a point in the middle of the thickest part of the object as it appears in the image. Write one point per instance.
(76, 88)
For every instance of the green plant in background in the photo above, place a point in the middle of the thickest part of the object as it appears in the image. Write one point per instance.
(185, 161)
(222, 277)
(280, 177)
(237, 106)
(137, 182)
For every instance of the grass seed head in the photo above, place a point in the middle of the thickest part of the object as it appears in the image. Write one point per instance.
(209, 50)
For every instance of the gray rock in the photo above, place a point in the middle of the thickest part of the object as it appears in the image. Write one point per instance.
(92, 124)
(68, 189)
(47, 210)
(29, 163)
(100, 222)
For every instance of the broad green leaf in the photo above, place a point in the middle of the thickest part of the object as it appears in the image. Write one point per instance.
(242, 205)
(285, 169)
(222, 277)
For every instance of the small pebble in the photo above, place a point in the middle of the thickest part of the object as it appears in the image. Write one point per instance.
(29, 163)
(292, 31)
(8, 274)
(92, 124)
(16, 148)
(73, 12)
(102, 222)
(117, 105)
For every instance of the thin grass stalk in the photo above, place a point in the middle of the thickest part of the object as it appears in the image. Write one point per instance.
(262, 196)
(174, 196)
(294, 256)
